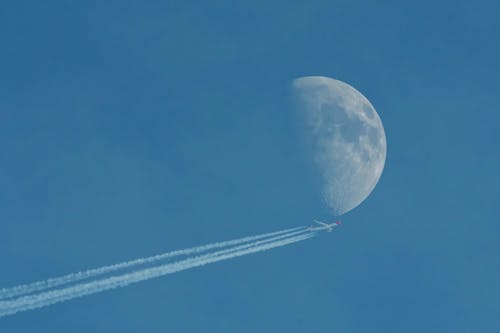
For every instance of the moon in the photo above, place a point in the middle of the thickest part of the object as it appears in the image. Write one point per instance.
(345, 137)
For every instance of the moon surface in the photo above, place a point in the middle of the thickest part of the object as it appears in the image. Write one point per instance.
(345, 136)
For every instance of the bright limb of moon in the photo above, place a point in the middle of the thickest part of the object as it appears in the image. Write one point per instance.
(346, 139)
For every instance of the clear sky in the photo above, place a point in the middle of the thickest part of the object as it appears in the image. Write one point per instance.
(128, 128)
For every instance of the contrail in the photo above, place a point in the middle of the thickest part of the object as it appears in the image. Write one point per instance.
(79, 276)
(126, 275)
(24, 303)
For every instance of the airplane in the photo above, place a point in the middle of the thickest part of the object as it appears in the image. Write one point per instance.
(324, 226)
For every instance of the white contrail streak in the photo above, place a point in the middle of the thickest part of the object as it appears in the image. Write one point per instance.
(75, 277)
(229, 250)
(46, 298)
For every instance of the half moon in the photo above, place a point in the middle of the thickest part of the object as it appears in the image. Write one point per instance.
(345, 136)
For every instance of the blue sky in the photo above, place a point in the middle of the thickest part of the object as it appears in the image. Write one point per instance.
(132, 128)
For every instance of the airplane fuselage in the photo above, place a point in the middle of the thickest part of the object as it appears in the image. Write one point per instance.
(322, 226)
